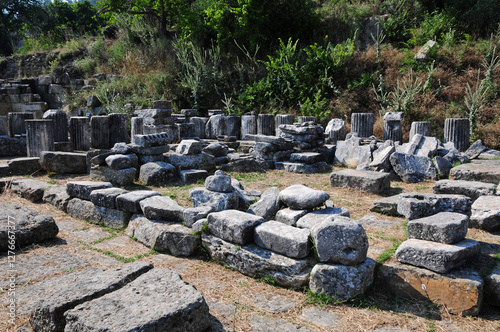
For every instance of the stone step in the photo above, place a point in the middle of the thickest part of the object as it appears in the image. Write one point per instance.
(444, 227)
(374, 182)
(472, 189)
(414, 206)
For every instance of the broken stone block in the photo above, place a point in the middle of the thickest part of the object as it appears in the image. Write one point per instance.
(23, 166)
(437, 257)
(106, 197)
(83, 189)
(316, 217)
(388, 205)
(131, 201)
(375, 182)
(48, 315)
(64, 162)
(189, 147)
(443, 166)
(283, 239)
(113, 218)
(342, 282)
(192, 215)
(492, 287)
(200, 161)
(289, 216)
(120, 178)
(427, 147)
(233, 225)
(335, 131)
(381, 161)
(29, 189)
(219, 182)
(254, 261)
(350, 152)
(218, 201)
(475, 150)
(443, 227)
(300, 197)
(460, 291)
(412, 168)
(340, 240)
(414, 206)
(246, 197)
(57, 196)
(362, 124)
(155, 113)
(177, 306)
(163, 236)
(216, 149)
(318, 167)
(157, 173)
(478, 170)
(423, 54)
(193, 175)
(162, 208)
(472, 189)
(122, 161)
(307, 157)
(268, 204)
(25, 225)
(85, 210)
(485, 213)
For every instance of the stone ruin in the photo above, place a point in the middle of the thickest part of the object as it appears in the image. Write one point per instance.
(268, 234)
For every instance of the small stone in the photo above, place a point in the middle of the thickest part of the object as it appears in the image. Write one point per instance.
(268, 204)
(192, 215)
(219, 182)
(300, 197)
(443, 227)
(289, 216)
(283, 239)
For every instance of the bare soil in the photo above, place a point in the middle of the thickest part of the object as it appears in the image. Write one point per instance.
(241, 303)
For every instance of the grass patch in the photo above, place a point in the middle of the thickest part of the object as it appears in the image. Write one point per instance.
(319, 299)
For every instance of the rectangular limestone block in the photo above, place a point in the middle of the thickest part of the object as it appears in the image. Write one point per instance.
(374, 182)
(460, 292)
(444, 227)
(233, 225)
(283, 239)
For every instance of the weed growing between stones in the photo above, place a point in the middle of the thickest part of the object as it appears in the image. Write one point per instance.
(319, 299)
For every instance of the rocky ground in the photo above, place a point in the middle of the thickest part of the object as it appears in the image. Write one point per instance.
(238, 302)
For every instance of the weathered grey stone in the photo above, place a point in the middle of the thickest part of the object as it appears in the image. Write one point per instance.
(458, 132)
(192, 215)
(315, 315)
(351, 153)
(475, 150)
(121, 161)
(300, 197)
(162, 104)
(268, 204)
(460, 291)
(438, 257)
(472, 189)
(340, 240)
(381, 159)
(200, 225)
(443, 166)
(113, 218)
(412, 168)
(83, 189)
(193, 175)
(218, 201)
(318, 167)
(200, 161)
(423, 54)
(163, 236)
(131, 201)
(216, 126)
(362, 124)
(155, 113)
(48, 314)
(121, 148)
(375, 182)
(485, 213)
(233, 225)
(342, 282)
(106, 197)
(216, 149)
(427, 147)
(157, 173)
(289, 216)
(443, 227)
(492, 287)
(39, 136)
(189, 147)
(120, 178)
(29, 189)
(264, 324)
(219, 182)
(79, 128)
(335, 131)
(423, 128)
(414, 206)
(254, 261)
(56, 196)
(26, 225)
(162, 208)
(85, 210)
(307, 157)
(275, 304)
(64, 162)
(478, 170)
(388, 205)
(23, 166)
(246, 197)
(178, 307)
(283, 239)
(281, 119)
(373, 222)
(316, 217)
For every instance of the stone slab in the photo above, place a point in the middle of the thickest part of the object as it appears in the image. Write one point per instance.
(106, 197)
(374, 182)
(289, 216)
(30, 189)
(64, 162)
(218, 201)
(485, 213)
(478, 170)
(472, 189)
(443, 227)
(413, 206)
(162, 208)
(57, 196)
(233, 225)
(283, 239)
(316, 217)
(83, 189)
(131, 201)
(301, 197)
(387, 205)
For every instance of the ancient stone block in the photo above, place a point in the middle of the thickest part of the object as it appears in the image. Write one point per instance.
(485, 213)
(131, 201)
(83, 189)
(443, 227)
(268, 204)
(300, 197)
(162, 208)
(472, 189)
(375, 182)
(414, 206)
(233, 225)
(283, 239)
(218, 201)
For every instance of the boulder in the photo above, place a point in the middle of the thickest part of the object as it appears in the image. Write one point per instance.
(163, 236)
(64, 162)
(412, 168)
(178, 306)
(131, 201)
(414, 206)
(342, 282)
(460, 291)
(26, 226)
(268, 204)
(316, 217)
(443, 227)
(106, 197)
(48, 314)
(437, 257)
(485, 213)
(375, 182)
(340, 240)
(157, 173)
(219, 182)
(283, 239)
(233, 225)
(122, 161)
(162, 208)
(300, 197)
(56, 196)
(289, 216)
(189, 147)
(381, 159)
(29, 189)
(192, 215)
(472, 189)
(218, 201)
(254, 261)
(83, 189)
